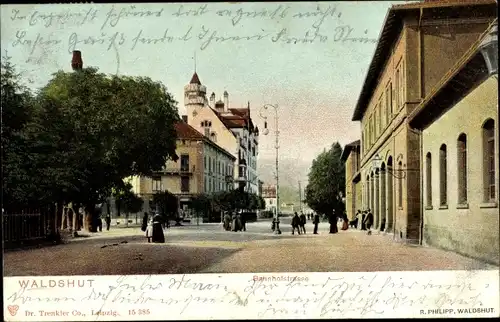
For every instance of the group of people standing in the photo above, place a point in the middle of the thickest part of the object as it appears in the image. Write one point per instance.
(153, 226)
(234, 221)
(366, 218)
(299, 223)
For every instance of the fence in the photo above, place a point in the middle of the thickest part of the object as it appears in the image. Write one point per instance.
(25, 226)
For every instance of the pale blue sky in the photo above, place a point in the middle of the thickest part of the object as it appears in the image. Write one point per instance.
(316, 85)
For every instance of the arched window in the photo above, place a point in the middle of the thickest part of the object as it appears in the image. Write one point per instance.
(443, 177)
(462, 168)
(489, 161)
(428, 178)
(400, 185)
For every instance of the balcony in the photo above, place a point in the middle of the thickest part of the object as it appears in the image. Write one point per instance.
(183, 170)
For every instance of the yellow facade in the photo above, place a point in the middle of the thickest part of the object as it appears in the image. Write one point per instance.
(411, 64)
(469, 227)
(223, 136)
(185, 182)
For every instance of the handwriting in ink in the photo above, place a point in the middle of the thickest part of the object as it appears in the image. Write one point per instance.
(113, 17)
(322, 13)
(209, 36)
(110, 40)
(200, 11)
(236, 15)
(166, 38)
(39, 41)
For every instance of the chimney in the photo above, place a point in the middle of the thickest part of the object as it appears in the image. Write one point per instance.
(77, 62)
(185, 118)
(226, 101)
(212, 100)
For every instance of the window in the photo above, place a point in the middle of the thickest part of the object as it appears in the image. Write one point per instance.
(397, 90)
(382, 116)
(184, 184)
(400, 185)
(402, 85)
(184, 162)
(462, 168)
(443, 178)
(375, 123)
(213, 137)
(156, 184)
(489, 161)
(428, 178)
(205, 185)
(388, 104)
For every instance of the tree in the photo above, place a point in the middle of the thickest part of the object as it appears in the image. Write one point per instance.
(127, 201)
(89, 131)
(326, 184)
(202, 204)
(167, 205)
(17, 106)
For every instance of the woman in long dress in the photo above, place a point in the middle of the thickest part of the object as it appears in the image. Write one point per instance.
(149, 229)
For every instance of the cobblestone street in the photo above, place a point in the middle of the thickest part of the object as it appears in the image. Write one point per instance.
(208, 249)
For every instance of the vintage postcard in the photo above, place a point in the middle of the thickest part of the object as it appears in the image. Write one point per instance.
(250, 160)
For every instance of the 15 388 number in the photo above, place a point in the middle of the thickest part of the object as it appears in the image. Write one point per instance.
(138, 312)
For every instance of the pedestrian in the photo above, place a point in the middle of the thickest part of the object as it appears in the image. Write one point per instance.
(145, 222)
(345, 221)
(227, 221)
(363, 216)
(239, 221)
(369, 221)
(243, 221)
(234, 224)
(295, 223)
(149, 228)
(308, 216)
(303, 222)
(382, 225)
(157, 235)
(316, 222)
(333, 223)
(108, 221)
(99, 223)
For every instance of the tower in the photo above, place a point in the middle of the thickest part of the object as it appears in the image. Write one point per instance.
(194, 96)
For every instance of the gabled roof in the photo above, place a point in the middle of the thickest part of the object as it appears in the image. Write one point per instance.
(469, 71)
(195, 79)
(187, 132)
(348, 148)
(389, 34)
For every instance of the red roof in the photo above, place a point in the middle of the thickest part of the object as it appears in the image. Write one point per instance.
(195, 79)
(186, 131)
(243, 112)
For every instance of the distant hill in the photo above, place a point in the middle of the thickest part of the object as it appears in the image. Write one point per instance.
(290, 174)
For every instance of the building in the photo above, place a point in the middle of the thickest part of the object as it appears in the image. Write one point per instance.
(269, 196)
(419, 44)
(202, 167)
(459, 124)
(351, 155)
(230, 128)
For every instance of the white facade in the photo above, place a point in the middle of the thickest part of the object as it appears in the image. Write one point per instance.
(224, 126)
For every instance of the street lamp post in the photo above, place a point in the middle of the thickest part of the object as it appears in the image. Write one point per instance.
(266, 132)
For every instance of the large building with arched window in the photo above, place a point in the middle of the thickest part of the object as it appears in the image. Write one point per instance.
(460, 171)
(422, 47)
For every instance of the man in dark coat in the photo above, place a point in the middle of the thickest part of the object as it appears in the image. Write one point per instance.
(303, 222)
(108, 221)
(316, 222)
(369, 221)
(295, 224)
(227, 222)
(158, 236)
(363, 217)
(332, 219)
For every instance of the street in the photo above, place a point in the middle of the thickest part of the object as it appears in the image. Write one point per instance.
(208, 249)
